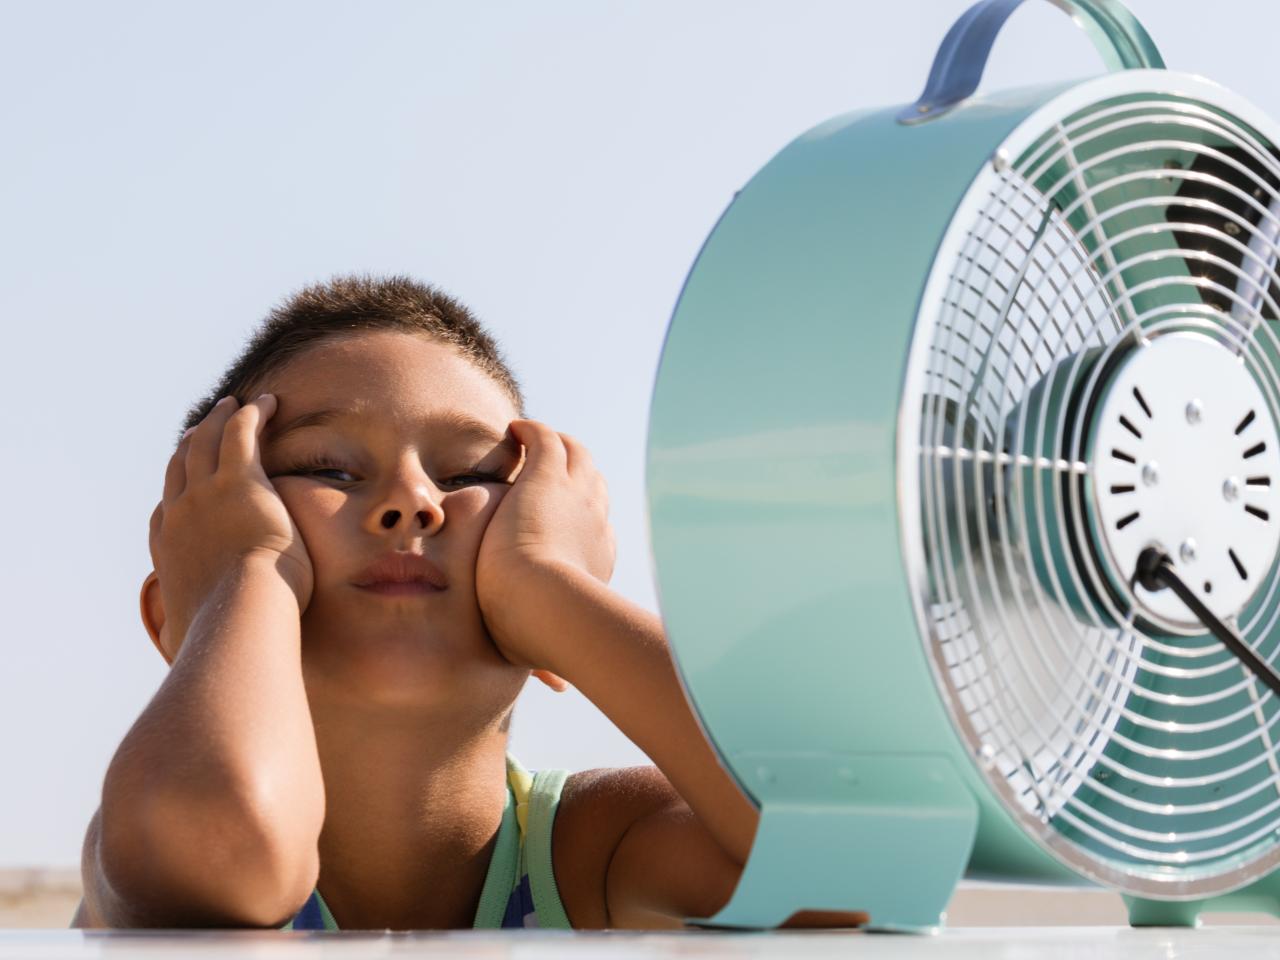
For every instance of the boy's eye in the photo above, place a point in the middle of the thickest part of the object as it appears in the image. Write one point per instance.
(327, 471)
(470, 479)
(321, 470)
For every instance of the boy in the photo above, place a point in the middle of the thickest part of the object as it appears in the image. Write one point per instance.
(361, 554)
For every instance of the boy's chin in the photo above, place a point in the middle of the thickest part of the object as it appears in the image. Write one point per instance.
(424, 670)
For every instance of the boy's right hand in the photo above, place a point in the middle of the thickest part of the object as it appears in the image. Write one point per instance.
(220, 512)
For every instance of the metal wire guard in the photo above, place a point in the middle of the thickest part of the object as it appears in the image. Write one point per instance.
(1146, 751)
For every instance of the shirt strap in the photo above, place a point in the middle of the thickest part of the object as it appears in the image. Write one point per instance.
(544, 799)
(503, 869)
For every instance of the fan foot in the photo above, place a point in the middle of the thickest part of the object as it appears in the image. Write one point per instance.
(892, 848)
(1262, 896)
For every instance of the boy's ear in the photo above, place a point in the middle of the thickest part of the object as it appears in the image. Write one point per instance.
(558, 684)
(152, 606)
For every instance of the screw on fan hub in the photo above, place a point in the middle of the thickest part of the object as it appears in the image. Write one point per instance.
(1189, 404)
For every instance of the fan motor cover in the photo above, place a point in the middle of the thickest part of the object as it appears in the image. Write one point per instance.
(881, 492)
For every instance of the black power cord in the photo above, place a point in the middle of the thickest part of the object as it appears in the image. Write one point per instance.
(1155, 572)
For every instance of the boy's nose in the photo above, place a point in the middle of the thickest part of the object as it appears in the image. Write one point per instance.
(406, 514)
(409, 503)
(392, 517)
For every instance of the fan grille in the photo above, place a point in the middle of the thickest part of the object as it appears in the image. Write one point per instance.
(1137, 745)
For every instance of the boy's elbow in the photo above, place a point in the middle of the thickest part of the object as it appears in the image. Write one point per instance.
(182, 854)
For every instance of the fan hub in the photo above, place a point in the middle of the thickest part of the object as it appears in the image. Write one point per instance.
(1185, 457)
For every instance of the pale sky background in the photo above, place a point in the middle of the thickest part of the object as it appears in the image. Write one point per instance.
(169, 171)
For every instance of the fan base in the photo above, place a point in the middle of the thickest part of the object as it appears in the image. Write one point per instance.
(1260, 897)
(893, 848)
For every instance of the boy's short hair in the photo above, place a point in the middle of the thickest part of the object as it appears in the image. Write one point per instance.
(353, 304)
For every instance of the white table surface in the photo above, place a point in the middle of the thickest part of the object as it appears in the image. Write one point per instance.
(1005, 943)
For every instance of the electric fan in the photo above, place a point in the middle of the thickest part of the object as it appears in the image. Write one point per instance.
(962, 482)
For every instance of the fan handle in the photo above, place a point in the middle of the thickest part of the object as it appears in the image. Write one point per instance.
(957, 68)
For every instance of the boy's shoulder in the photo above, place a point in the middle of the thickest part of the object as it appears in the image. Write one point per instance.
(628, 852)
(597, 810)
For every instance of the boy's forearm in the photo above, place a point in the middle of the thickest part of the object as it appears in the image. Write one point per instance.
(617, 654)
(228, 736)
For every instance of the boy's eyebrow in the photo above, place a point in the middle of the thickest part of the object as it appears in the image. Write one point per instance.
(469, 428)
(313, 418)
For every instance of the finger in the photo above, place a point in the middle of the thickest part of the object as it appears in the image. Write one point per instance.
(544, 450)
(175, 474)
(202, 455)
(605, 574)
(241, 439)
(578, 457)
(557, 683)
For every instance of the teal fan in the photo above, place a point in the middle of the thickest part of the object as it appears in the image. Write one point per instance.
(938, 380)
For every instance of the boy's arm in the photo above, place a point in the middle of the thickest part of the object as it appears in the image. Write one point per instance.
(683, 831)
(616, 654)
(677, 841)
(629, 853)
(213, 803)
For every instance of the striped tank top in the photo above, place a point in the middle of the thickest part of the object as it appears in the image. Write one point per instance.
(520, 887)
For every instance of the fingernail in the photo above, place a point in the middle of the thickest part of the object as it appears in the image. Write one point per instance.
(188, 432)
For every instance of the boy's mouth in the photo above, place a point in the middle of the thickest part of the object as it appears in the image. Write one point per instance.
(401, 574)
(391, 588)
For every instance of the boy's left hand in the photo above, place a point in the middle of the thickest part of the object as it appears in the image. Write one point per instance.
(555, 516)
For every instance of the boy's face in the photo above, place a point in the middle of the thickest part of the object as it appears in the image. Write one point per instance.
(388, 443)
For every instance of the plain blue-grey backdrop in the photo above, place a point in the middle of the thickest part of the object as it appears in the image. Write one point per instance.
(168, 171)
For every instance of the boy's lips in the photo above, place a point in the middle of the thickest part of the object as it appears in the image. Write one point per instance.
(401, 573)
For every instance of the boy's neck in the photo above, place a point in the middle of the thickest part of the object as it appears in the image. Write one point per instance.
(411, 816)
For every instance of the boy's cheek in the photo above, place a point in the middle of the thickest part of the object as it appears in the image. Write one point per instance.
(477, 503)
(319, 514)
(497, 493)
(482, 513)
(310, 503)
